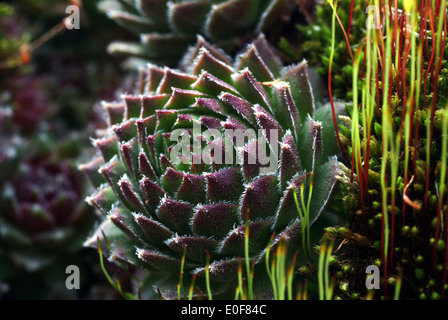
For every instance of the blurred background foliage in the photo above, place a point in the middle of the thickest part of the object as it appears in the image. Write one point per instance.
(52, 81)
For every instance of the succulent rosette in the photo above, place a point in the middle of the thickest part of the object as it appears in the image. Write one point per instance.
(175, 179)
(42, 213)
(167, 28)
(43, 218)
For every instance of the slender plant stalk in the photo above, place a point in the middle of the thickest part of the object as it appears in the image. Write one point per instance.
(388, 137)
(116, 285)
(180, 285)
(191, 289)
(398, 284)
(323, 276)
(280, 271)
(207, 277)
(328, 286)
(333, 37)
(249, 273)
(290, 276)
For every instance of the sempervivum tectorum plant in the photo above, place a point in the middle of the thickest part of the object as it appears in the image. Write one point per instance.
(166, 200)
(167, 28)
(43, 218)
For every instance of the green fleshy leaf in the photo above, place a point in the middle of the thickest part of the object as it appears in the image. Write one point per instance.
(237, 15)
(324, 183)
(188, 17)
(215, 220)
(301, 90)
